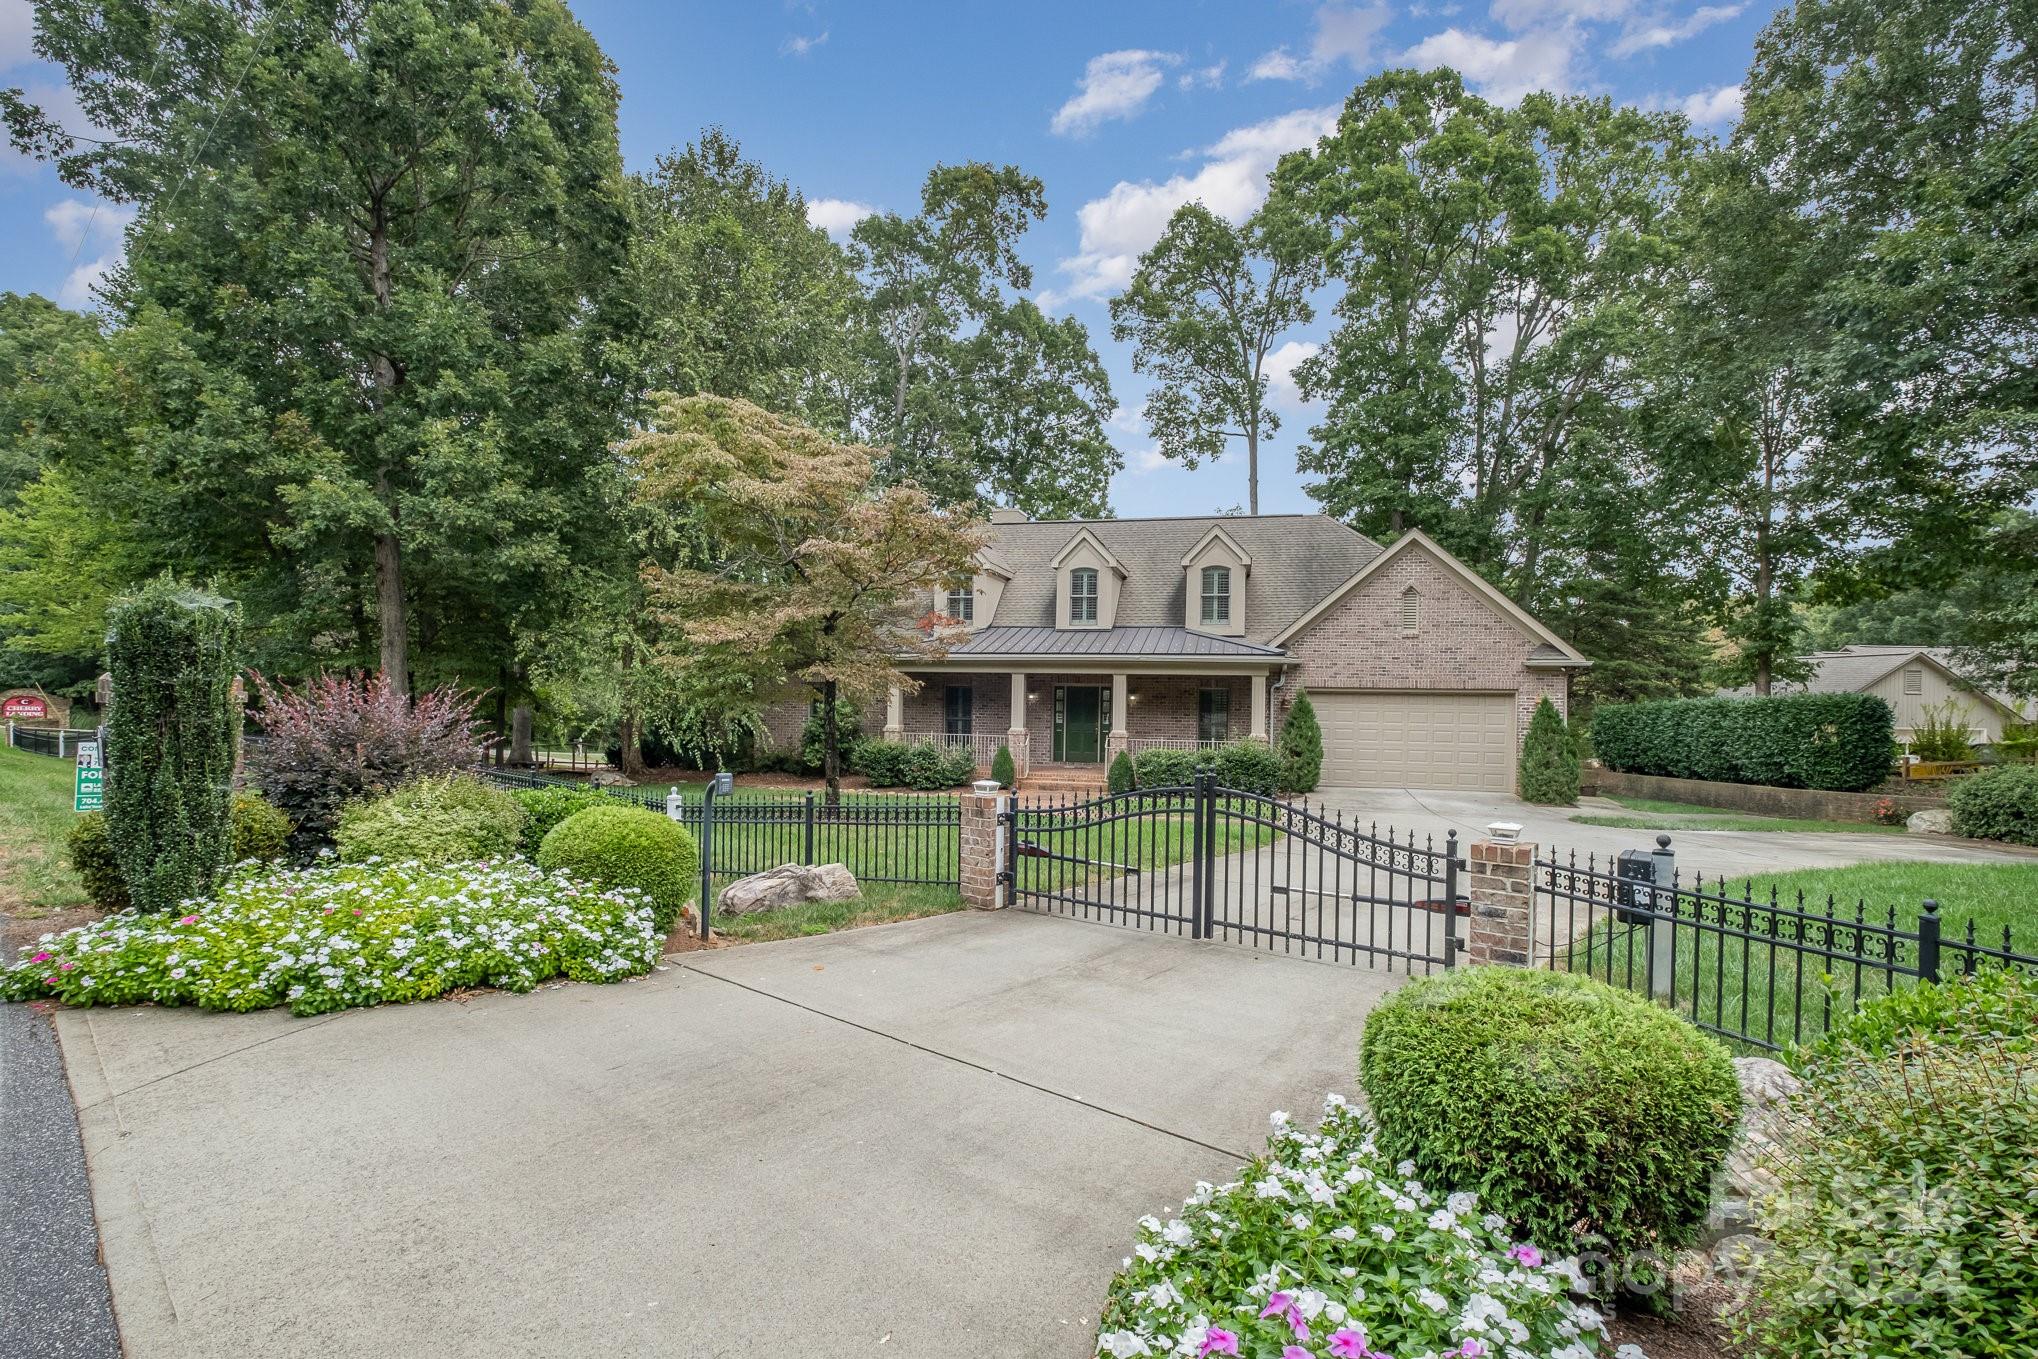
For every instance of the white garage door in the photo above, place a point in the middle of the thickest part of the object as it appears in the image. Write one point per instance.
(1382, 740)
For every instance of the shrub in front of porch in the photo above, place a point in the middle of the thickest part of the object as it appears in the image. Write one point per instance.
(1248, 766)
(1120, 779)
(1002, 768)
(1590, 1118)
(923, 765)
(1548, 773)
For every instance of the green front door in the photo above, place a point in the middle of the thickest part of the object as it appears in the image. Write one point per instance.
(1079, 724)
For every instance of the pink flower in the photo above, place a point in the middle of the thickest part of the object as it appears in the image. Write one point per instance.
(1471, 1349)
(1346, 1343)
(188, 920)
(1295, 1352)
(51, 981)
(66, 966)
(1528, 1255)
(42, 957)
(1219, 1341)
(1277, 1304)
(1297, 1324)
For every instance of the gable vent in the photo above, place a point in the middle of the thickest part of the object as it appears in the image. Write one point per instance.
(1411, 611)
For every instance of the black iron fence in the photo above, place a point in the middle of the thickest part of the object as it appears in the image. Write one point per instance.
(1209, 862)
(902, 838)
(58, 741)
(1768, 970)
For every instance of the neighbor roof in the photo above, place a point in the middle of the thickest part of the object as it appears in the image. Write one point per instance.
(1852, 669)
(1297, 559)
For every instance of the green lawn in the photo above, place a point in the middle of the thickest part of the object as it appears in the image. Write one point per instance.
(1652, 814)
(1715, 971)
(35, 816)
(881, 904)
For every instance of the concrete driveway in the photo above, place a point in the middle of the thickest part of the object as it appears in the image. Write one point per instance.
(1714, 852)
(930, 1138)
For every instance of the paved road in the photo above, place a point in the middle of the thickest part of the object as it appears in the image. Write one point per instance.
(53, 1294)
(922, 1139)
(1714, 852)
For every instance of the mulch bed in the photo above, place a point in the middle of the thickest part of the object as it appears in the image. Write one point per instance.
(18, 931)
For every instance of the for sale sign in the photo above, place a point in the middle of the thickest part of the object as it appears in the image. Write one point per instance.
(91, 787)
(26, 707)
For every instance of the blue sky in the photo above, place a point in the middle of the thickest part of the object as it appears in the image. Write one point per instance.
(1124, 109)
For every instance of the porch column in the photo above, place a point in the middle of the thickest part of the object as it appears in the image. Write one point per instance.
(895, 714)
(1121, 721)
(1016, 739)
(1259, 732)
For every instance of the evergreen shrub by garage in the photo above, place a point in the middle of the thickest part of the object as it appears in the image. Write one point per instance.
(1301, 746)
(172, 739)
(1905, 1183)
(450, 820)
(1832, 742)
(1585, 1115)
(1548, 772)
(260, 835)
(545, 808)
(1997, 804)
(619, 846)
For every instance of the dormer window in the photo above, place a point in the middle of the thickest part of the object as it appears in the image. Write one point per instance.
(1216, 595)
(1411, 611)
(1083, 595)
(962, 605)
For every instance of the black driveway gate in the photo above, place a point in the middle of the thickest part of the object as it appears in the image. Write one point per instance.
(1208, 862)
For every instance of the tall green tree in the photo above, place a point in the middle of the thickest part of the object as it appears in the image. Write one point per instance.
(1205, 308)
(39, 342)
(389, 226)
(965, 385)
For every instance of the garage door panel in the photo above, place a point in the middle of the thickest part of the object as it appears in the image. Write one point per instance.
(1417, 740)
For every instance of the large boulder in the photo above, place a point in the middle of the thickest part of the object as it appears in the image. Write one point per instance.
(1766, 1086)
(1931, 821)
(788, 885)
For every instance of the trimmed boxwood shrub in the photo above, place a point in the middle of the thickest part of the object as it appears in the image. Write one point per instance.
(925, 765)
(1119, 778)
(260, 833)
(172, 740)
(1002, 768)
(620, 846)
(450, 820)
(1548, 773)
(1300, 746)
(1997, 804)
(545, 808)
(1248, 766)
(1586, 1116)
(1164, 768)
(1905, 1180)
(1832, 742)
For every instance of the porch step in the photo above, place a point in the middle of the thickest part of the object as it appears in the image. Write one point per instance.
(1064, 780)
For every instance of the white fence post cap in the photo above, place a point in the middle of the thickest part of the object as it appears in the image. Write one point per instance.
(985, 787)
(1503, 832)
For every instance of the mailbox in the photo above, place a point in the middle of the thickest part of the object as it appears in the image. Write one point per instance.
(1634, 897)
(725, 783)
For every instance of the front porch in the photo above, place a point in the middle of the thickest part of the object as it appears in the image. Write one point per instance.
(1077, 717)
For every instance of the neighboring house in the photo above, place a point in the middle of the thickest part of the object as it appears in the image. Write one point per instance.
(1088, 637)
(1910, 679)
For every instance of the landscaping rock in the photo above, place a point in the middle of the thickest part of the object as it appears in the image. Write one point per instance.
(1765, 1087)
(788, 885)
(1931, 821)
(611, 778)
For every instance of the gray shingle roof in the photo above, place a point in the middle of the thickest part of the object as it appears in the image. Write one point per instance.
(1297, 559)
(1045, 641)
(1854, 668)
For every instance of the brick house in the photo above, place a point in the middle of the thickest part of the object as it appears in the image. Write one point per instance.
(1088, 637)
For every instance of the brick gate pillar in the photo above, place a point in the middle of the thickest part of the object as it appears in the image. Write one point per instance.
(982, 843)
(1501, 889)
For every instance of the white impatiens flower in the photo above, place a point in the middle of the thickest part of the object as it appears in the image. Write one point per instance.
(1462, 1202)
(1122, 1345)
(1430, 1298)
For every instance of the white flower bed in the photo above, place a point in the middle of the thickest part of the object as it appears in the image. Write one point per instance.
(337, 935)
(1322, 1250)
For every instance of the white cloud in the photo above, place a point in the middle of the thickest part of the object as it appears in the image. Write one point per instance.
(799, 44)
(1503, 71)
(79, 227)
(1114, 85)
(1711, 108)
(1520, 14)
(1149, 460)
(1344, 33)
(836, 215)
(1231, 182)
(1642, 37)
(1202, 77)
(17, 33)
(1280, 370)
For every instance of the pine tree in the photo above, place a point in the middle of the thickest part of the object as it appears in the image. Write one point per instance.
(1549, 760)
(1300, 746)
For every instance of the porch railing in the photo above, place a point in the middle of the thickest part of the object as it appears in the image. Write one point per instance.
(1137, 744)
(982, 744)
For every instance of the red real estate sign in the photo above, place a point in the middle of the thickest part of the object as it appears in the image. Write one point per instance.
(25, 706)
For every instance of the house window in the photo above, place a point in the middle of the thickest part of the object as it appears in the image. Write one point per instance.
(1411, 612)
(1083, 595)
(962, 604)
(959, 710)
(1914, 680)
(1213, 715)
(1216, 595)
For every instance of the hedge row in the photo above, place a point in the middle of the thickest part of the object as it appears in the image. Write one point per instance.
(1832, 742)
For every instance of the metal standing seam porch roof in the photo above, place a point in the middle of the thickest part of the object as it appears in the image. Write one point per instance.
(1047, 641)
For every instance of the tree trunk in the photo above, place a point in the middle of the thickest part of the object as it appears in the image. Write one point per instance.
(1252, 468)
(630, 730)
(520, 736)
(831, 763)
(389, 602)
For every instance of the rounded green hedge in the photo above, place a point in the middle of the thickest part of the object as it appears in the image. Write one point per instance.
(545, 808)
(628, 847)
(1997, 804)
(448, 820)
(259, 833)
(1587, 1116)
(1901, 1221)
